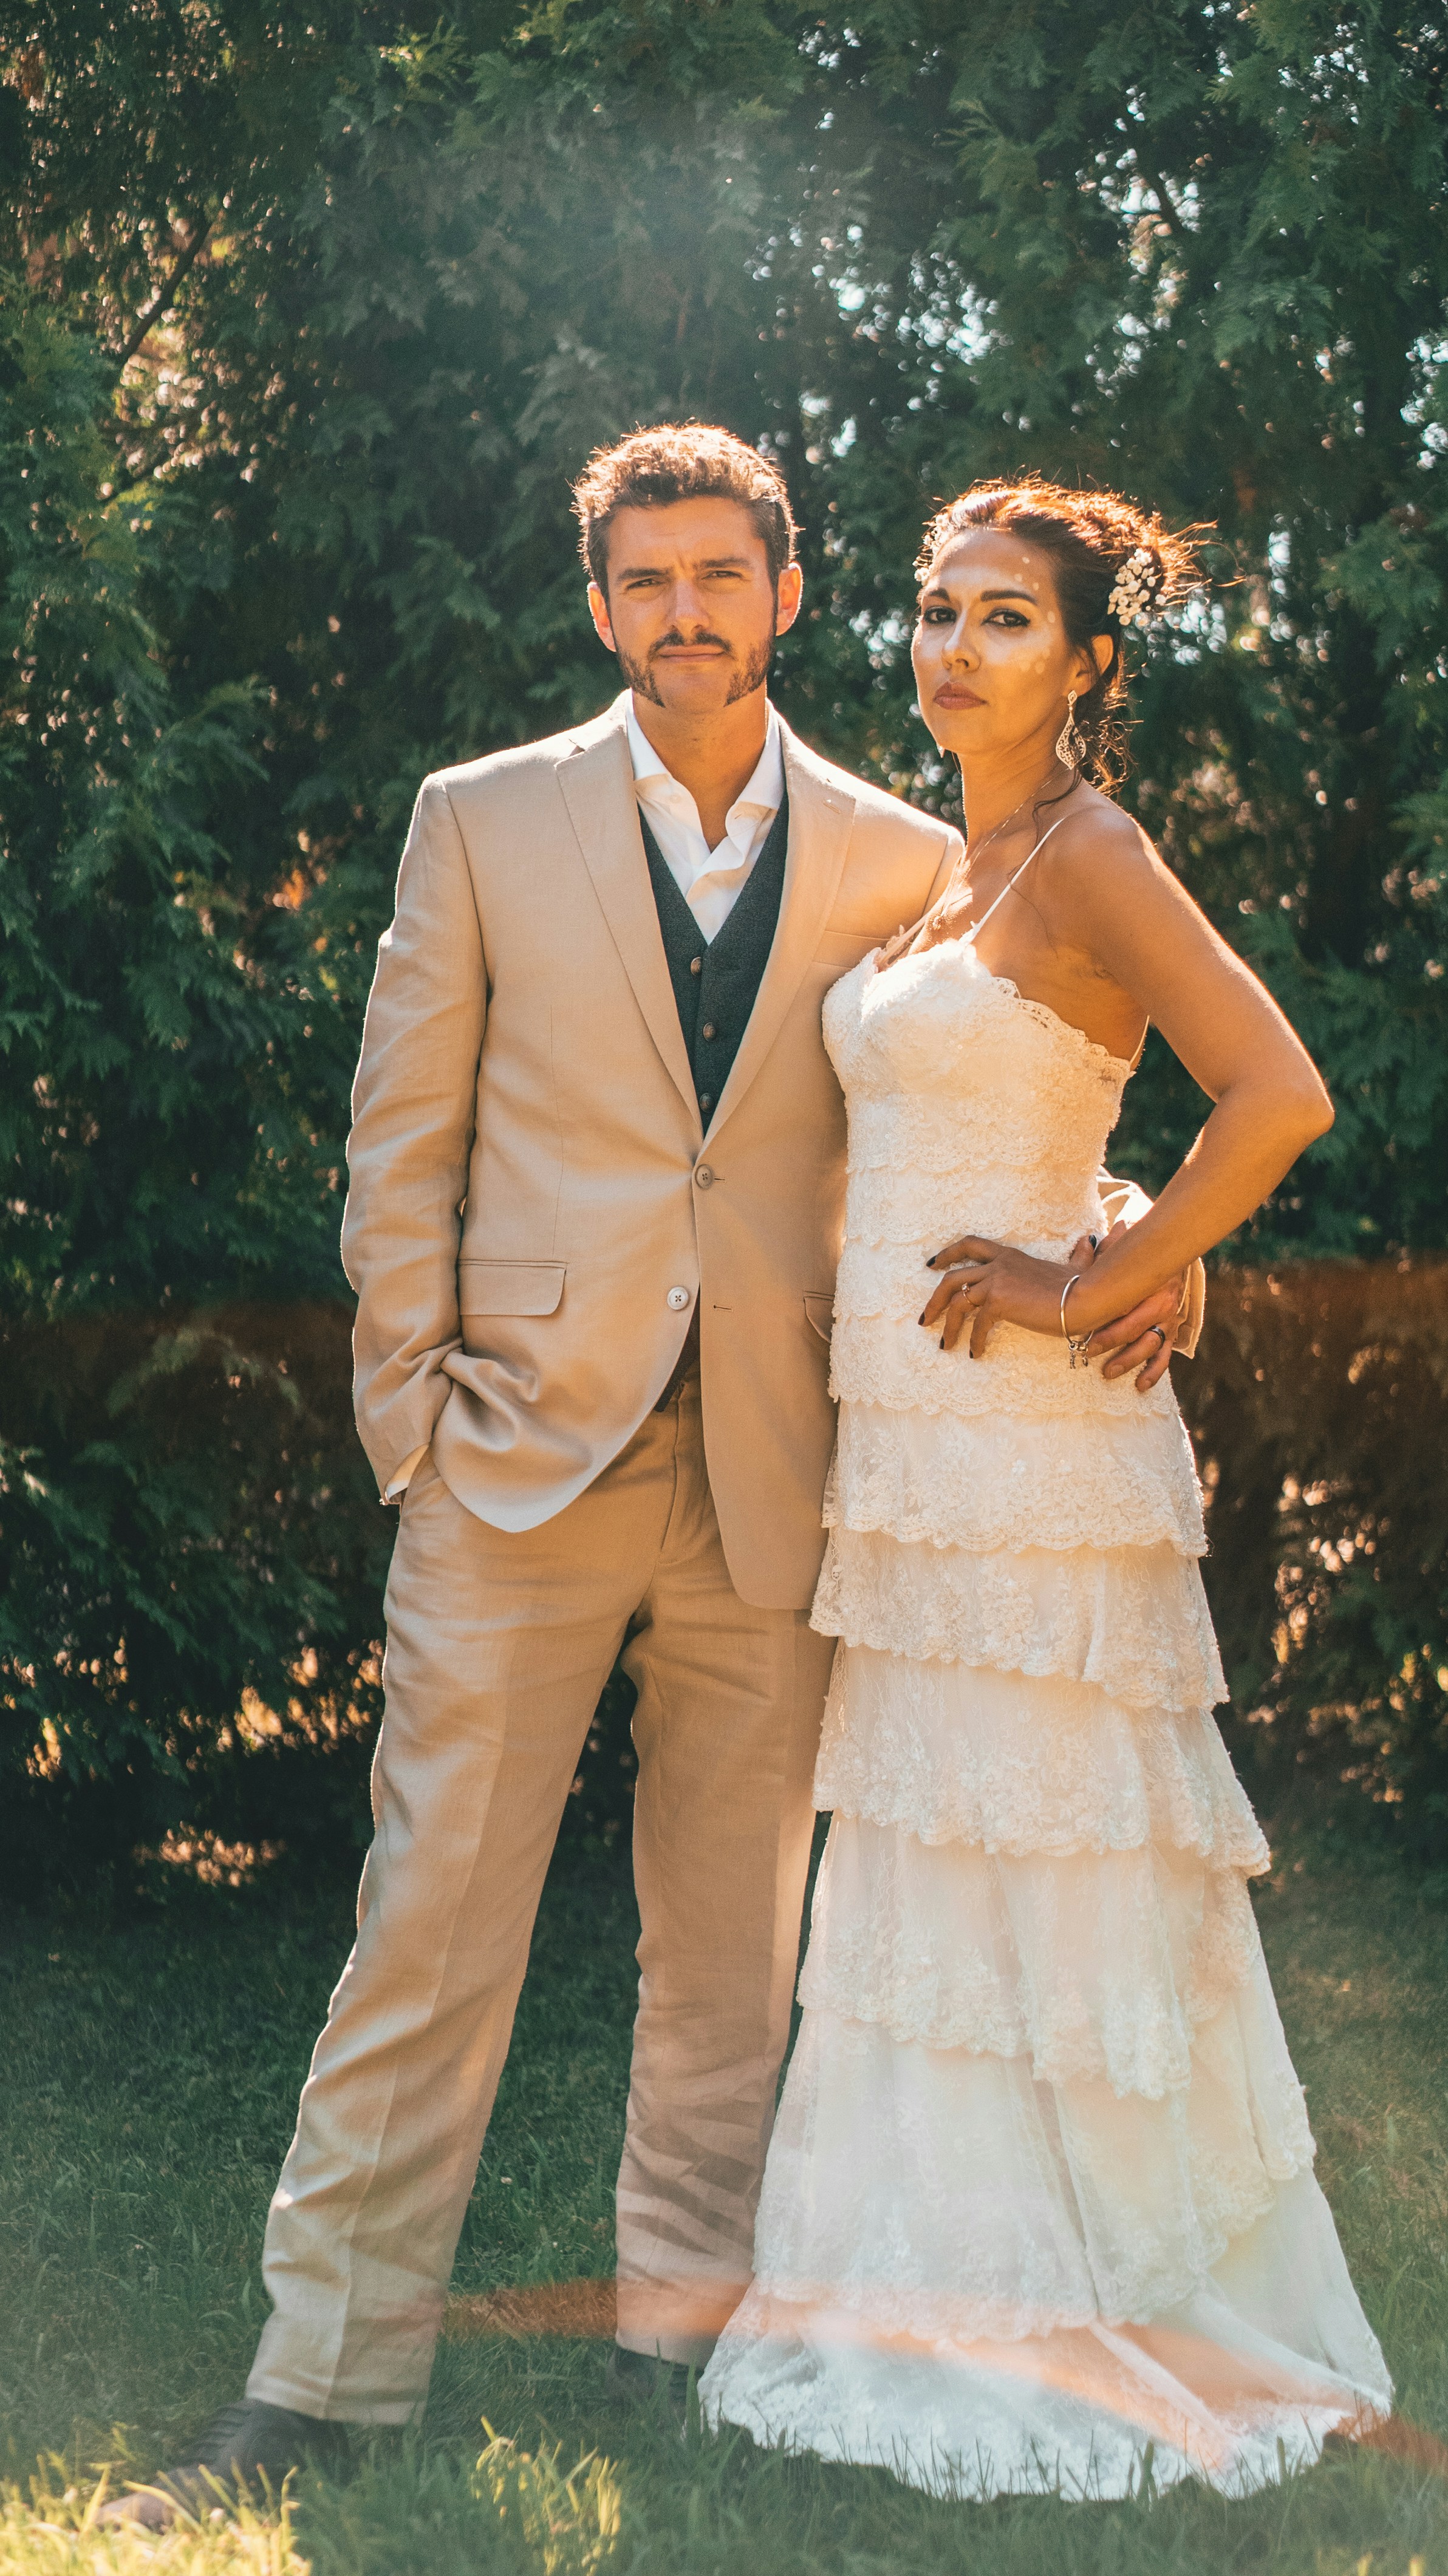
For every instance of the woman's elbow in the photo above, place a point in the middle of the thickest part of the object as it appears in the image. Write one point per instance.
(1312, 1112)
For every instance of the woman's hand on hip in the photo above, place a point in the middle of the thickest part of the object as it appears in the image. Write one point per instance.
(986, 1284)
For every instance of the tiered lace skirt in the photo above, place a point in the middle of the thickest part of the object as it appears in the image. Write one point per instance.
(1040, 2198)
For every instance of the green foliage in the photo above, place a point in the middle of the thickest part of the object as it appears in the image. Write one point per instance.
(308, 317)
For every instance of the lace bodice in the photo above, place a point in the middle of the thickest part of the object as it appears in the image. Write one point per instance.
(971, 1110)
(954, 1080)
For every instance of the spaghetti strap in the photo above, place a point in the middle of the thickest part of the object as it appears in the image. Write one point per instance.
(974, 934)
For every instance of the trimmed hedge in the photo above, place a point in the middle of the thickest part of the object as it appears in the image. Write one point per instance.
(194, 1561)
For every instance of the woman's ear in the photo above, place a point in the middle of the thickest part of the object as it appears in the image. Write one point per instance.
(1098, 664)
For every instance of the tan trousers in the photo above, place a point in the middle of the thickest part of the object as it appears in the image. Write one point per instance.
(499, 1644)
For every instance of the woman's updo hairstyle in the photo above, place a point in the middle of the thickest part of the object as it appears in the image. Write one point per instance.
(1115, 566)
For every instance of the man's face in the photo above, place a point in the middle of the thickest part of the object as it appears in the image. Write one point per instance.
(691, 611)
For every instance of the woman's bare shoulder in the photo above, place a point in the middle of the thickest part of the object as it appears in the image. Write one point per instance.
(1100, 853)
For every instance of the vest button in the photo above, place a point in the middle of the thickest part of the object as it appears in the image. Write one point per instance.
(703, 1177)
(696, 965)
(706, 1100)
(708, 1030)
(678, 1298)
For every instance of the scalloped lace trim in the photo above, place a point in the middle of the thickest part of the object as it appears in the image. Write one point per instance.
(1132, 1620)
(988, 1484)
(953, 2188)
(1087, 1965)
(960, 1753)
(891, 1361)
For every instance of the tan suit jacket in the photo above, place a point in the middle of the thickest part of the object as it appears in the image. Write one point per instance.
(535, 1208)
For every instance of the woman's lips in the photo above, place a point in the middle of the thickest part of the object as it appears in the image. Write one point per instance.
(958, 698)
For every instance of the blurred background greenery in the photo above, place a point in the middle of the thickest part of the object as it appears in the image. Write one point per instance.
(309, 313)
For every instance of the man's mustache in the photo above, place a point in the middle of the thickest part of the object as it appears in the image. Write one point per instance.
(688, 642)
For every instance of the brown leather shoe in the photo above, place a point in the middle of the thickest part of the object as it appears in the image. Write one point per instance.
(248, 2445)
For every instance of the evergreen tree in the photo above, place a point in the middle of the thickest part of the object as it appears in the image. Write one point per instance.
(309, 317)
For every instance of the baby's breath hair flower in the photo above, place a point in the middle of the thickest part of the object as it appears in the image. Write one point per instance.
(1137, 589)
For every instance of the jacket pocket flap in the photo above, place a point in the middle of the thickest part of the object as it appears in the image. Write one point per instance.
(819, 1305)
(510, 1287)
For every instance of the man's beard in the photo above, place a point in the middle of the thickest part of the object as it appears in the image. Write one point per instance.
(640, 675)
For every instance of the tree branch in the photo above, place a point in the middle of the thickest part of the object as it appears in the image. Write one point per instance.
(1165, 207)
(167, 296)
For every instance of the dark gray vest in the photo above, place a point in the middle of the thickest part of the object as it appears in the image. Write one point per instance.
(715, 980)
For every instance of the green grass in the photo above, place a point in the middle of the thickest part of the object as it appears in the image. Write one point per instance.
(149, 2081)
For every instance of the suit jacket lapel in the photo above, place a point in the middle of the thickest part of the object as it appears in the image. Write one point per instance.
(820, 816)
(597, 783)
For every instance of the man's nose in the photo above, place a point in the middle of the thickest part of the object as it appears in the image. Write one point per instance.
(690, 607)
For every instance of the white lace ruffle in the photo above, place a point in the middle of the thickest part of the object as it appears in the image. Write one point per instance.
(931, 1196)
(890, 1360)
(1088, 1964)
(987, 1483)
(1132, 1620)
(976, 2201)
(958, 1753)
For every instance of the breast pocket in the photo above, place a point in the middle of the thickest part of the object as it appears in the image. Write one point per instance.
(510, 1287)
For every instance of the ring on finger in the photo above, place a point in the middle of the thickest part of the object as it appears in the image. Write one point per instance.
(1160, 1332)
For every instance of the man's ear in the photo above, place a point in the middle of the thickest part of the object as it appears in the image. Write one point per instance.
(598, 611)
(788, 592)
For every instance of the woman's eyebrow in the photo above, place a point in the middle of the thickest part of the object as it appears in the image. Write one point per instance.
(1010, 594)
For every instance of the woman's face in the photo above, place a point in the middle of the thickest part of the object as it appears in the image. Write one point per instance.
(993, 664)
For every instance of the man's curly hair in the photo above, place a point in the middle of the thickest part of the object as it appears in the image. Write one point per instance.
(689, 460)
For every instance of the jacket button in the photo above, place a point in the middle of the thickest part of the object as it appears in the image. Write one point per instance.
(703, 1177)
(678, 1298)
(708, 1030)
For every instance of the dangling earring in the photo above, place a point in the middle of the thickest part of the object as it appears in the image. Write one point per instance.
(1071, 744)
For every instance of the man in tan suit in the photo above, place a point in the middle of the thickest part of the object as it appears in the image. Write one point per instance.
(597, 1176)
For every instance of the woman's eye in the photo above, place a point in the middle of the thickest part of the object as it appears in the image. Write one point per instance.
(1007, 617)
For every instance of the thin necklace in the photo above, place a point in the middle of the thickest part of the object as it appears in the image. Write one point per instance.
(973, 854)
(938, 909)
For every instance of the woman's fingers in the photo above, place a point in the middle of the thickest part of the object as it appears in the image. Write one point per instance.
(958, 1310)
(970, 1247)
(947, 1290)
(1150, 1355)
(983, 1324)
(1123, 1334)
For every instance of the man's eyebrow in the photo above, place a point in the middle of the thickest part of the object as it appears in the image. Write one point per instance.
(708, 563)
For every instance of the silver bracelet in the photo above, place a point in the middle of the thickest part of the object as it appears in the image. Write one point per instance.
(1075, 1342)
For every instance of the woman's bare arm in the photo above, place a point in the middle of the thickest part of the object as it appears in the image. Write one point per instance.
(1114, 911)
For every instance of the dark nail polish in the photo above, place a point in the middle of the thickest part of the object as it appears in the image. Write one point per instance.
(919, 1319)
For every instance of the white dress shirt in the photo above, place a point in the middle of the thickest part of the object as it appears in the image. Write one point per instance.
(710, 881)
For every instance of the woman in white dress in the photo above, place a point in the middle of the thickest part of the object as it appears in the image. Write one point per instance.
(1040, 2201)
